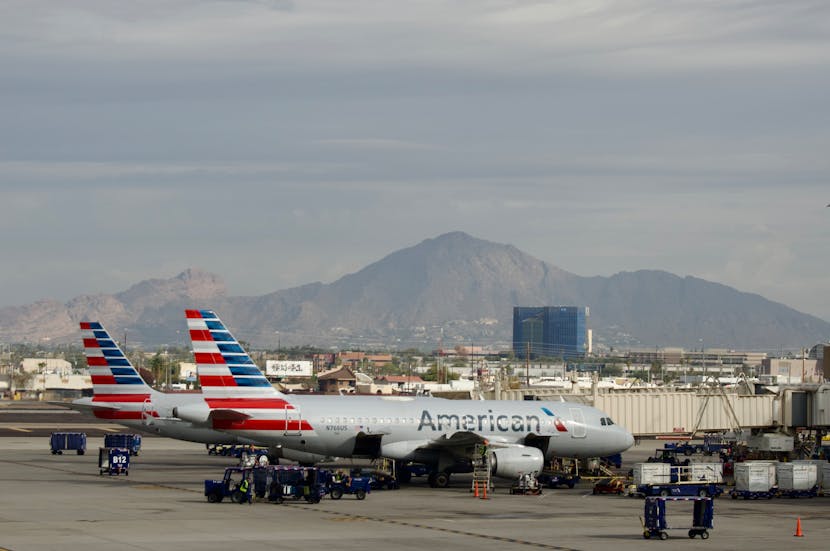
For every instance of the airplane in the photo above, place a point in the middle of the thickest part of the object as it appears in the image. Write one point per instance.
(121, 395)
(439, 433)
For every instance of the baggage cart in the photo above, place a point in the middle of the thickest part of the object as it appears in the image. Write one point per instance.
(131, 442)
(60, 441)
(655, 524)
(114, 461)
(340, 484)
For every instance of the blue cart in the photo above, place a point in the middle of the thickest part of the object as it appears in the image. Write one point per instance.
(655, 525)
(340, 484)
(124, 440)
(217, 490)
(60, 441)
(114, 461)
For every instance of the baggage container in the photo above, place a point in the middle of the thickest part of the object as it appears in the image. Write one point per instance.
(825, 478)
(755, 476)
(60, 441)
(796, 476)
(131, 442)
(704, 472)
(771, 442)
(819, 463)
(652, 473)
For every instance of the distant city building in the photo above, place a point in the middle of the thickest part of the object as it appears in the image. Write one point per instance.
(45, 365)
(550, 331)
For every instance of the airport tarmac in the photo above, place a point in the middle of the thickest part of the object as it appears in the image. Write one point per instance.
(61, 502)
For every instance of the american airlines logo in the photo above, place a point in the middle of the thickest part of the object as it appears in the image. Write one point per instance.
(488, 422)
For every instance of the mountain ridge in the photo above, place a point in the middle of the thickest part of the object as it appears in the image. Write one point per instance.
(454, 282)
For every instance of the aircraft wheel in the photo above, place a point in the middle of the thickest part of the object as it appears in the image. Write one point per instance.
(442, 479)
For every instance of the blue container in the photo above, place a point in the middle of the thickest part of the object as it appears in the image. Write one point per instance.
(60, 441)
(124, 440)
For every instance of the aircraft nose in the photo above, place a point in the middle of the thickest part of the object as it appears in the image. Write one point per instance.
(627, 439)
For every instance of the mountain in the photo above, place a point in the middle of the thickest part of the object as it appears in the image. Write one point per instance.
(465, 286)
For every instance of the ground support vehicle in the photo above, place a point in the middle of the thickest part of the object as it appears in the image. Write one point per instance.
(557, 479)
(656, 526)
(295, 483)
(700, 489)
(667, 455)
(748, 494)
(358, 486)
(60, 441)
(131, 442)
(379, 479)
(114, 461)
(616, 485)
(812, 492)
(217, 490)
(526, 485)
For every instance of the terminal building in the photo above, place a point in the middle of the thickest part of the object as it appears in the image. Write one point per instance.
(550, 331)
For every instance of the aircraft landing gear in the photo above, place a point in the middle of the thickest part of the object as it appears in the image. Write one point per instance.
(439, 479)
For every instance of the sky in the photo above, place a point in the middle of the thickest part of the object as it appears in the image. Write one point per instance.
(277, 143)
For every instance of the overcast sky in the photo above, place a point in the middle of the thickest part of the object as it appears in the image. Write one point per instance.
(277, 143)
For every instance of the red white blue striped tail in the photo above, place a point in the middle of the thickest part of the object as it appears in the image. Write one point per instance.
(114, 380)
(225, 370)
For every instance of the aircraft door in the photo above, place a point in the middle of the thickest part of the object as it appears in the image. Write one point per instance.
(293, 421)
(578, 425)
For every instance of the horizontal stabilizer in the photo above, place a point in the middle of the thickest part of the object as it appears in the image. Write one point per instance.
(85, 404)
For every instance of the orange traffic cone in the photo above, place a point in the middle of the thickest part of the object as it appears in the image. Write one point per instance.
(484, 487)
(475, 489)
(798, 532)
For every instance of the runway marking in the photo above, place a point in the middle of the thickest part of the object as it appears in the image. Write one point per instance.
(341, 517)
(19, 429)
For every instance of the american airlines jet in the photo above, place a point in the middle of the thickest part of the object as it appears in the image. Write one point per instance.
(121, 395)
(440, 433)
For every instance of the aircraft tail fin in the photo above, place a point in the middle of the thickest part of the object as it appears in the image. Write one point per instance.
(224, 368)
(116, 384)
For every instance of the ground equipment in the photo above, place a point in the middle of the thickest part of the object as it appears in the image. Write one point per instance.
(295, 482)
(131, 442)
(60, 441)
(655, 524)
(114, 461)
(339, 484)
(527, 485)
(230, 486)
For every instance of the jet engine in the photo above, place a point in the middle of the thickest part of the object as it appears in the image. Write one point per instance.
(513, 461)
(196, 413)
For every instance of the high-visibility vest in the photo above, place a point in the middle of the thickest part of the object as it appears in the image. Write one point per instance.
(244, 486)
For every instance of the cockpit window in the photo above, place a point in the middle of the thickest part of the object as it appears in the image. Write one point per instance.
(610, 422)
(602, 421)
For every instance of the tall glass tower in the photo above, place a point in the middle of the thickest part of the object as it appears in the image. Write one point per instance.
(550, 331)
